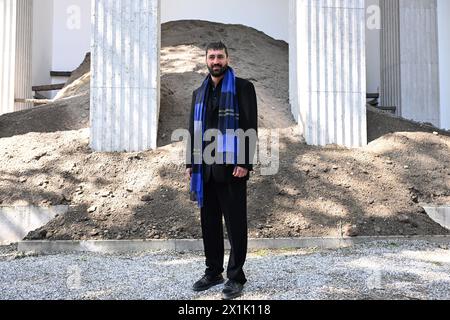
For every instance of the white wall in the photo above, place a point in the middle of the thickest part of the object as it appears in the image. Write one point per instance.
(71, 33)
(71, 40)
(373, 62)
(61, 38)
(272, 18)
(42, 41)
(444, 60)
(268, 16)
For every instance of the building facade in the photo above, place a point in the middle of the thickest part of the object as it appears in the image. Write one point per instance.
(338, 51)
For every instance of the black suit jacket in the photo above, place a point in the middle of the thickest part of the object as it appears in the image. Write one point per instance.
(248, 119)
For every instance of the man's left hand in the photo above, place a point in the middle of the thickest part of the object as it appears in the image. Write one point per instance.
(240, 172)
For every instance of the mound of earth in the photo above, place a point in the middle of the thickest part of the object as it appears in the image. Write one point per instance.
(69, 110)
(318, 191)
(380, 123)
(79, 82)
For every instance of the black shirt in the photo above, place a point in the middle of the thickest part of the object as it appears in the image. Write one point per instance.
(212, 105)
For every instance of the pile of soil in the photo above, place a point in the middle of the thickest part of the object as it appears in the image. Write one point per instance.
(79, 83)
(69, 110)
(318, 191)
(380, 123)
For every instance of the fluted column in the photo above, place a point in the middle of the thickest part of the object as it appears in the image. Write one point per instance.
(410, 59)
(293, 74)
(125, 74)
(328, 74)
(390, 54)
(7, 54)
(16, 17)
(24, 56)
(444, 61)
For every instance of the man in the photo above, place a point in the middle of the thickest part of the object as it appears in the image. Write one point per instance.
(223, 102)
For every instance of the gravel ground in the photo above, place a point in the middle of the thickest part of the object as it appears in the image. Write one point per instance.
(384, 270)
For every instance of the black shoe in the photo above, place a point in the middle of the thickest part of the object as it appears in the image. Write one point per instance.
(207, 282)
(232, 289)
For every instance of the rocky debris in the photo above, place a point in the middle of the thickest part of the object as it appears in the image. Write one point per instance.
(105, 194)
(40, 155)
(146, 198)
(403, 218)
(350, 230)
(92, 209)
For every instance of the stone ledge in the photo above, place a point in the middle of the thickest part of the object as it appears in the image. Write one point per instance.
(127, 246)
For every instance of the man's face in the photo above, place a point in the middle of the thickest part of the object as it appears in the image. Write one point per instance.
(217, 62)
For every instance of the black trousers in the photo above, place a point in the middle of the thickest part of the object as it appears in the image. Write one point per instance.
(229, 199)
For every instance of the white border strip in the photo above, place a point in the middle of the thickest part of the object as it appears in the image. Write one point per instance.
(127, 246)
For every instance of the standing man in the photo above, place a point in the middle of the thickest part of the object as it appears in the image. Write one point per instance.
(223, 102)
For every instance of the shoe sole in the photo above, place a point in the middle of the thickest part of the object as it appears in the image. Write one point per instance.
(231, 297)
(210, 286)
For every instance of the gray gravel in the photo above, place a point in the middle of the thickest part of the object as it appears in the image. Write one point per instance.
(384, 270)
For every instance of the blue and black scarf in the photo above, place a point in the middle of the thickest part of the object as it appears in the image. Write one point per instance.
(227, 141)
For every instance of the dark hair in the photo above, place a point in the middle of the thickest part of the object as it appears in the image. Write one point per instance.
(217, 46)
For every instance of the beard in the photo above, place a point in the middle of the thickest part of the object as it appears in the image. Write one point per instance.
(218, 72)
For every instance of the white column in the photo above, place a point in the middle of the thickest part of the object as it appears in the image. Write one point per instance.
(328, 77)
(7, 54)
(444, 60)
(16, 18)
(24, 55)
(410, 61)
(390, 54)
(125, 74)
(293, 85)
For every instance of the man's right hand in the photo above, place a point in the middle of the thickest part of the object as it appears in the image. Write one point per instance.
(188, 173)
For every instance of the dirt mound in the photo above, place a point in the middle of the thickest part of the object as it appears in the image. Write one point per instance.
(70, 109)
(380, 123)
(79, 82)
(62, 115)
(318, 191)
(254, 56)
(83, 69)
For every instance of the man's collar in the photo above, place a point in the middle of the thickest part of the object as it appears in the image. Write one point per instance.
(211, 83)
